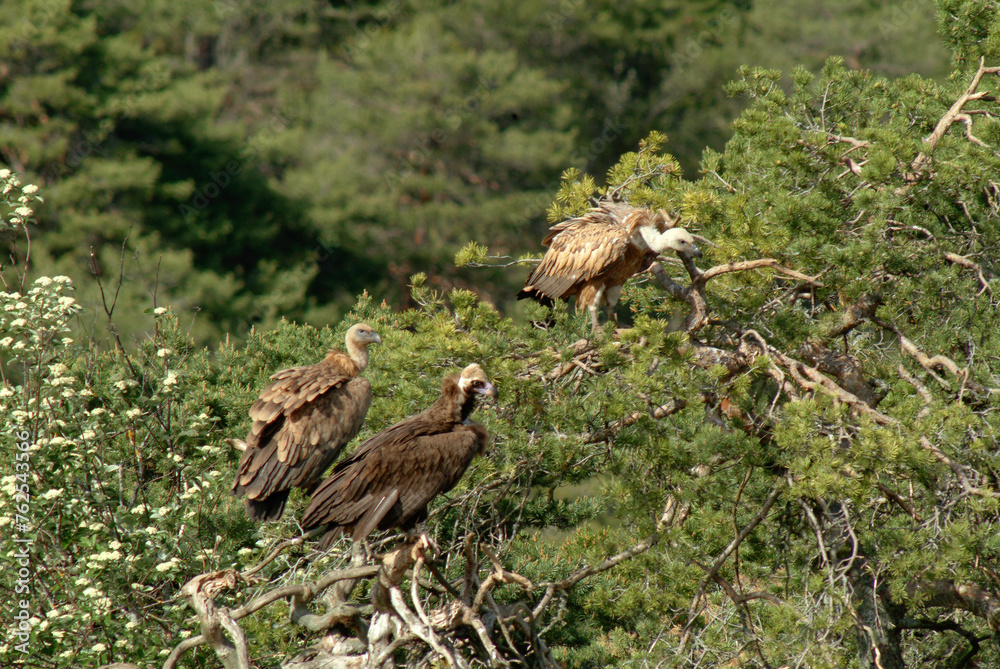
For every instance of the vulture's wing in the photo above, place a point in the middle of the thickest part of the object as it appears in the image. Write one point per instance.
(293, 393)
(390, 482)
(578, 253)
(295, 448)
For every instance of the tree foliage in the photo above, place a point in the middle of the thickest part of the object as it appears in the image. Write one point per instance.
(245, 155)
(787, 457)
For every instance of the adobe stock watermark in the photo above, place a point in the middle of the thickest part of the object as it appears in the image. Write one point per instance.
(539, 202)
(900, 16)
(21, 625)
(365, 34)
(31, 26)
(420, 151)
(220, 178)
(691, 49)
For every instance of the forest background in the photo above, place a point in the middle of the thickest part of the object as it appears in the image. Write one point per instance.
(201, 194)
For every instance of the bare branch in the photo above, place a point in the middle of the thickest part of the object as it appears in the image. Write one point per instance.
(746, 265)
(955, 113)
(968, 264)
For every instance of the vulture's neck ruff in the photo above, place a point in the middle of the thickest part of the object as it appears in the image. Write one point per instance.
(674, 239)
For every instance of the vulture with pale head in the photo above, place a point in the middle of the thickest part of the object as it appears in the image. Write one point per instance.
(300, 424)
(390, 479)
(592, 256)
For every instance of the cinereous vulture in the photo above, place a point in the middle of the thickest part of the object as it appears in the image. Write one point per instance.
(300, 424)
(391, 478)
(592, 256)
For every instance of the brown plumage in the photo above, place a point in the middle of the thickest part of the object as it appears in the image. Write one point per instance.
(391, 478)
(592, 256)
(300, 424)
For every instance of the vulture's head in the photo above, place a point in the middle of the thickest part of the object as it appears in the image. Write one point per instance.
(675, 239)
(357, 339)
(361, 335)
(473, 380)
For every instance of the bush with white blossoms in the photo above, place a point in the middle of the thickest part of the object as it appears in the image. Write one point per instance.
(128, 473)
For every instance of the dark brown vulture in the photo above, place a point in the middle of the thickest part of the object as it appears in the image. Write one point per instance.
(592, 256)
(300, 424)
(391, 478)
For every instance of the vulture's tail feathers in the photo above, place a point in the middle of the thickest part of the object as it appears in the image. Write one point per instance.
(269, 508)
(333, 533)
(374, 515)
(538, 296)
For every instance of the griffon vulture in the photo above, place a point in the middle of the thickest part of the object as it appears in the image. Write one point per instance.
(391, 478)
(300, 424)
(592, 256)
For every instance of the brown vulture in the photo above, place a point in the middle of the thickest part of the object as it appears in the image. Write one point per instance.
(592, 256)
(391, 478)
(300, 424)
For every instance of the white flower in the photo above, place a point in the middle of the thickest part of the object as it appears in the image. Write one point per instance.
(4, 173)
(98, 411)
(164, 352)
(62, 279)
(159, 311)
(121, 643)
(6, 391)
(131, 625)
(43, 281)
(115, 545)
(133, 413)
(170, 380)
(66, 341)
(66, 301)
(88, 434)
(166, 566)
(18, 346)
(30, 189)
(98, 648)
(52, 494)
(18, 323)
(92, 592)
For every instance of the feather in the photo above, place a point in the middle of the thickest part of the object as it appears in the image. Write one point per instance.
(392, 477)
(301, 422)
(591, 256)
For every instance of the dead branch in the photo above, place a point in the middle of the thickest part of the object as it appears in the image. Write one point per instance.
(966, 597)
(931, 364)
(695, 294)
(955, 113)
(712, 571)
(200, 591)
(747, 265)
(968, 264)
(662, 411)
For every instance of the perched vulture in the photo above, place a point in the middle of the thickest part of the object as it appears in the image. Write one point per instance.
(592, 256)
(300, 424)
(391, 478)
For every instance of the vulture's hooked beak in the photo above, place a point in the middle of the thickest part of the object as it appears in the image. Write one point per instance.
(489, 390)
(695, 251)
